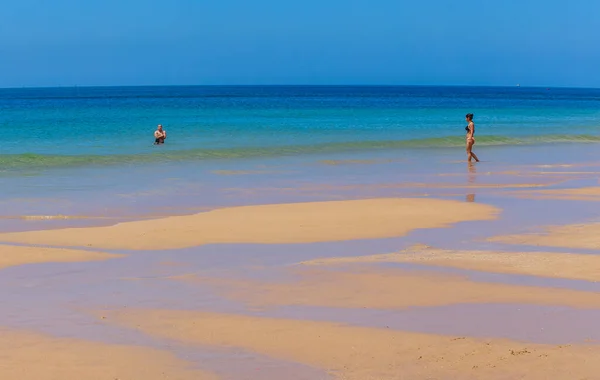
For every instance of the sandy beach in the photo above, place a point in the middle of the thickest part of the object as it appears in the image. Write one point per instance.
(353, 353)
(373, 284)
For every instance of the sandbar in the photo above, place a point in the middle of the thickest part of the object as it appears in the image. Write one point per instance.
(385, 288)
(30, 356)
(544, 264)
(18, 255)
(584, 236)
(357, 353)
(277, 223)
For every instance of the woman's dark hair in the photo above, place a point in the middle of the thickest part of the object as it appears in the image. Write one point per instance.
(469, 116)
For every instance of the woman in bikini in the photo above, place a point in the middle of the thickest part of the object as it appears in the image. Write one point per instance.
(470, 128)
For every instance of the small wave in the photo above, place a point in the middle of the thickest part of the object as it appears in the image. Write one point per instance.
(41, 161)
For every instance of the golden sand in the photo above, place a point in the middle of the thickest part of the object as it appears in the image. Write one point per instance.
(386, 288)
(279, 223)
(17, 255)
(586, 236)
(28, 356)
(355, 353)
(545, 264)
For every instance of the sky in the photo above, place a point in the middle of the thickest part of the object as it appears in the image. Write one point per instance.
(197, 42)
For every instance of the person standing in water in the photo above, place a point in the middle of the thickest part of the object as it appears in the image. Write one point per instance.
(470, 128)
(159, 135)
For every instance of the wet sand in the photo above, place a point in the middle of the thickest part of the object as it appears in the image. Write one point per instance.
(270, 224)
(278, 282)
(429, 186)
(18, 255)
(386, 288)
(544, 264)
(242, 172)
(30, 356)
(353, 162)
(585, 236)
(354, 353)
(574, 194)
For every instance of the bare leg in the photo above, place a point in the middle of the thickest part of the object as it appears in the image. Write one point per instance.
(470, 154)
(468, 149)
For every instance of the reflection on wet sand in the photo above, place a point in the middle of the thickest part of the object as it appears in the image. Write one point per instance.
(472, 178)
(472, 168)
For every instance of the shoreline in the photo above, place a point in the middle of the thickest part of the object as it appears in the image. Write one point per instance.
(373, 152)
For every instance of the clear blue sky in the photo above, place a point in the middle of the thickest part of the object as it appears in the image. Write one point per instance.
(140, 42)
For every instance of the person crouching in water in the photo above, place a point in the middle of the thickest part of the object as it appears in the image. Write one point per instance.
(159, 135)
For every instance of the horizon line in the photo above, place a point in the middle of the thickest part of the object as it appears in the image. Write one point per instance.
(295, 85)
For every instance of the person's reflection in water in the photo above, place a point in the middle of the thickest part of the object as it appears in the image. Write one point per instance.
(471, 179)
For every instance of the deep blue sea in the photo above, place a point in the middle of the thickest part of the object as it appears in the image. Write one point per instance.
(63, 127)
(90, 152)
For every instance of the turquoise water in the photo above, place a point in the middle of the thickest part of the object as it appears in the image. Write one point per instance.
(63, 127)
(89, 151)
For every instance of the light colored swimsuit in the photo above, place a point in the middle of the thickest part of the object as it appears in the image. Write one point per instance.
(468, 130)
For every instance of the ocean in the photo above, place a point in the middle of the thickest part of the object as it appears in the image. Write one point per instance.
(90, 150)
